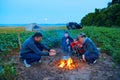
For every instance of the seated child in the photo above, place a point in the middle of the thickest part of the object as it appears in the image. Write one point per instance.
(77, 47)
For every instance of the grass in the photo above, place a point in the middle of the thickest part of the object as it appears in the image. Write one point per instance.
(22, 29)
(11, 29)
(54, 28)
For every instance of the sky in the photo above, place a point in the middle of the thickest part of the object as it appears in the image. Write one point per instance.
(47, 11)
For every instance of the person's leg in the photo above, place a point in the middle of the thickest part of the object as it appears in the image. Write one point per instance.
(69, 50)
(75, 49)
(81, 50)
(31, 57)
(78, 51)
(65, 50)
(74, 52)
(90, 57)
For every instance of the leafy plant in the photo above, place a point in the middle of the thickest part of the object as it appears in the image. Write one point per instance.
(7, 72)
(107, 39)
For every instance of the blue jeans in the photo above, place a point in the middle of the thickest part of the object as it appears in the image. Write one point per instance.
(66, 50)
(91, 57)
(32, 57)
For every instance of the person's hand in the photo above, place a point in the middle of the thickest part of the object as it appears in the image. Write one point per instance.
(80, 45)
(67, 41)
(83, 58)
(52, 52)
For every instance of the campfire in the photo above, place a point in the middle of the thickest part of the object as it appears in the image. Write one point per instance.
(67, 64)
(72, 63)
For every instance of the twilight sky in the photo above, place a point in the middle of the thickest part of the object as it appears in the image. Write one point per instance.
(46, 11)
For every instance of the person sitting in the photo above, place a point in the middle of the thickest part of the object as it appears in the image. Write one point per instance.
(32, 50)
(66, 41)
(77, 47)
(91, 52)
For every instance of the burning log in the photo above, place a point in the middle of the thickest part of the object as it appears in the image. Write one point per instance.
(67, 64)
(71, 63)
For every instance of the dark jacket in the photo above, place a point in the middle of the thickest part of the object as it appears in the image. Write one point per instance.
(89, 47)
(64, 43)
(30, 46)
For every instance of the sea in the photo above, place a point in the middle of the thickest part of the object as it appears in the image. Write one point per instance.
(24, 25)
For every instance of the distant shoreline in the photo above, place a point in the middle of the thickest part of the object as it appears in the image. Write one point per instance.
(24, 25)
(18, 29)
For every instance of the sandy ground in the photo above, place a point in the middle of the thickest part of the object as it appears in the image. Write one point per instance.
(104, 69)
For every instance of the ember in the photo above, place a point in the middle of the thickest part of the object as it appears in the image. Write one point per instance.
(67, 64)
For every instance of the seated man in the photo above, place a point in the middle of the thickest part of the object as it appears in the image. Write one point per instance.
(31, 50)
(77, 48)
(66, 41)
(91, 52)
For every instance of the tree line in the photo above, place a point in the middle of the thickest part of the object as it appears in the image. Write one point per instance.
(108, 17)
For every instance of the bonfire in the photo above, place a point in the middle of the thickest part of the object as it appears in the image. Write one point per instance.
(67, 64)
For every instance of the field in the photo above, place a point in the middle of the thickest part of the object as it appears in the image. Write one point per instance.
(11, 29)
(107, 39)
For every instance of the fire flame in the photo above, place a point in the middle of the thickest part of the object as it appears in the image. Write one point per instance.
(69, 64)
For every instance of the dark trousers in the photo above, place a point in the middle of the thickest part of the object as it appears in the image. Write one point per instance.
(32, 57)
(91, 57)
(66, 50)
(78, 50)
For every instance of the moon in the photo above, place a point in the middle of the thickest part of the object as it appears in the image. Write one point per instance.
(46, 19)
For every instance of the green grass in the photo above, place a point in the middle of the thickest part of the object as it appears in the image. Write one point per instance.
(105, 38)
(22, 29)
(54, 28)
(11, 29)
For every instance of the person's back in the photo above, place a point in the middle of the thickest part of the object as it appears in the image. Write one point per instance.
(25, 47)
(89, 46)
(91, 52)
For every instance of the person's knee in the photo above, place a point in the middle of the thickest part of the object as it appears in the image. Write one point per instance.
(91, 58)
(22, 57)
(96, 57)
(38, 57)
(87, 58)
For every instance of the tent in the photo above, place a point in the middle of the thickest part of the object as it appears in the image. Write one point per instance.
(33, 27)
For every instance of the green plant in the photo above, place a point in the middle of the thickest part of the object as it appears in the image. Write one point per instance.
(116, 55)
(7, 72)
(107, 39)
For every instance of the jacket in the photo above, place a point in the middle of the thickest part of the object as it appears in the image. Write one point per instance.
(78, 43)
(64, 43)
(29, 46)
(89, 47)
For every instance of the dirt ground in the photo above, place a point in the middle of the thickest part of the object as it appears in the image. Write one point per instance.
(104, 69)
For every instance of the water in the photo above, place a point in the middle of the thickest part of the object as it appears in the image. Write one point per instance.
(17, 25)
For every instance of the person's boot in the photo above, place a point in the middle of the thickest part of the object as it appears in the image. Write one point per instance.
(26, 64)
(91, 63)
(94, 61)
(40, 61)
